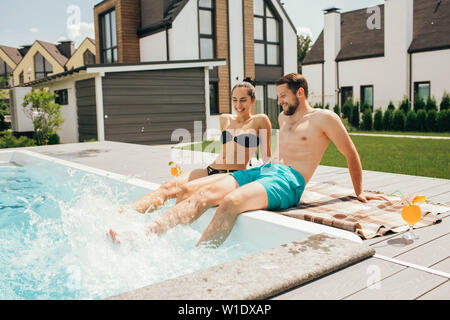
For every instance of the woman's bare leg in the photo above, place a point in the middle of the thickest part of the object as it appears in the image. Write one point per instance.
(193, 207)
(168, 190)
(189, 188)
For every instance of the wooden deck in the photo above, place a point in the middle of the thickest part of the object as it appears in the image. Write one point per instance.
(419, 268)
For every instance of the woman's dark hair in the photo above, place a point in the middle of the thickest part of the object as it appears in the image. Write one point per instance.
(249, 84)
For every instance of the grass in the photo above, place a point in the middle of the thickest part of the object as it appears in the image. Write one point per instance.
(418, 157)
(406, 133)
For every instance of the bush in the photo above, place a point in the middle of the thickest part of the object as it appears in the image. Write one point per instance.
(367, 119)
(8, 140)
(388, 120)
(443, 120)
(419, 103)
(318, 106)
(347, 109)
(411, 121)
(327, 106)
(431, 123)
(431, 104)
(347, 125)
(421, 120)
(364, 107)
(3, 124)
(378, 120)
(405, 105)
(391, 106)
(54, 139)
(337, 110)
(399, 121)
(445, 103)
(355, 117)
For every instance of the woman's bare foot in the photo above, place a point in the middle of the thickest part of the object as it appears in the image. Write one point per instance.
(112, 235)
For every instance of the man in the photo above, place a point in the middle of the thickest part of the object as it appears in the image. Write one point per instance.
(304, 136)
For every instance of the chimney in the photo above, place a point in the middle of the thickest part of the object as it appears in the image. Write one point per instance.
(24, 49)
(66, 48)
(332, 46)
(398, 34)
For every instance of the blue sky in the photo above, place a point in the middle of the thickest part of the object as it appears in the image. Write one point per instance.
(24, 21)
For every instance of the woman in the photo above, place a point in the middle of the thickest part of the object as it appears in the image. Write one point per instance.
(242, 133)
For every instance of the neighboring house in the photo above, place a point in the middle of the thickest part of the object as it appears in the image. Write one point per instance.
(9, 59)
(41, 60)
(255, 37)
(407, 54)
(83, 55)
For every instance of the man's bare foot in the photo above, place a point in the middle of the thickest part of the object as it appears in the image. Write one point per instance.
(112, 235)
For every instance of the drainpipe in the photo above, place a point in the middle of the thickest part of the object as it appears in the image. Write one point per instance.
(338, 90)
(167, 43)
(323, 83)
(410, 81)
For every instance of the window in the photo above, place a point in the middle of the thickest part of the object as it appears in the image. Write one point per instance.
(5, 73)
(62, 98)
(213, 98)
(367, 96)
(267, 102)
(108, 37)
(346, 95)
(422, 89)
(42, 68)
(21, 79)
(266, 35)
(88, 58)
(206, 28)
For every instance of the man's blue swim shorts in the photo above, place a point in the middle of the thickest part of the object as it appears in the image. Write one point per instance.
(284, 185)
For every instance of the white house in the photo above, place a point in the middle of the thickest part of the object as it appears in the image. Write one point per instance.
(381, 54)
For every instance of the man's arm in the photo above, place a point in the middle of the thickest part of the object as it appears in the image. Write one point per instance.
(336, 132)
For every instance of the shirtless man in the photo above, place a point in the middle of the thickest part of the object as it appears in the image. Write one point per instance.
(304, 135)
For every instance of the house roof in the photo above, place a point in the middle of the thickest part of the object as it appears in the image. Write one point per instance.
(431, 25)
(431, 31)
(54, 52)
(166, 20)
(12, 53)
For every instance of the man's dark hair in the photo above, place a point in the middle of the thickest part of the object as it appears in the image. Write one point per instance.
(294, 81)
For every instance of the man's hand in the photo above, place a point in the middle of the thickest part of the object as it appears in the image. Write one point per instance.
(365, 197)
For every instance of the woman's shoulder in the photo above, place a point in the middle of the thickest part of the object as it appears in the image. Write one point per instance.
(262, 119)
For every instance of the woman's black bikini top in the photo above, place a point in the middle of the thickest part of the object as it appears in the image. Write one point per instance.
(247, 140)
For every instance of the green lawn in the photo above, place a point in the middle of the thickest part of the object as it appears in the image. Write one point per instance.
(406, 133)
(418, 157)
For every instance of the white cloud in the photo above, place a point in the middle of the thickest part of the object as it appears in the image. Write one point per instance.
(34, 30)
(305, 31)
(78, 32)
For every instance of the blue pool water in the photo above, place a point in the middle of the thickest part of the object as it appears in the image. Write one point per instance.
(53, 221)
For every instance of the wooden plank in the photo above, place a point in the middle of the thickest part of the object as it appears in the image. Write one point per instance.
(396, 245)
(407, 284)
(443, 198)
(442, 266)
(429, 253)
(344, 282)
(441, 292)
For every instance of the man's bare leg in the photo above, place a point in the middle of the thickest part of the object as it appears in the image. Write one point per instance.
(170, 189)
(191, 187)
(193, 207)
(252, 196)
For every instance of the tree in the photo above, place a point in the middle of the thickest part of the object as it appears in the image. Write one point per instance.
(303, 46)
(46, 115)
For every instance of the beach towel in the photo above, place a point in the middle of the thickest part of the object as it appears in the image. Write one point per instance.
(338, 207)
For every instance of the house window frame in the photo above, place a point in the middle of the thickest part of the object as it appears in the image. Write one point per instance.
(45, 72)
(265, 42)
(84, 57)
(63, 97)
(211, 36)
(265, 101)
(342, 95)
(416, 88)
(362, 94)
(113, 47)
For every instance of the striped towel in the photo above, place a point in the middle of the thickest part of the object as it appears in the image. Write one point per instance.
(336, 206)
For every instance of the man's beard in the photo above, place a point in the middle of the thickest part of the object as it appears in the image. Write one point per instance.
(291, 110)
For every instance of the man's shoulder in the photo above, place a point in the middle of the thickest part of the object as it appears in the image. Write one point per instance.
(326, 115)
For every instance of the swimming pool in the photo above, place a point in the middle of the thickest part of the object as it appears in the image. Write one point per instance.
(54, 215)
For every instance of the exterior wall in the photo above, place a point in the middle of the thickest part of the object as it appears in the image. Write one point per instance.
(332, 45)
(249, 48)
(313, 74)
(289, 42)
(222, 34)
(77, 59)
(86, 109)
(27, 64)
(19, 120)
(146, 107)
(153, 47)
(236, 42)
(127, 24)
(69, 129)
(7, 59)
(432, 66)
(183, 36)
